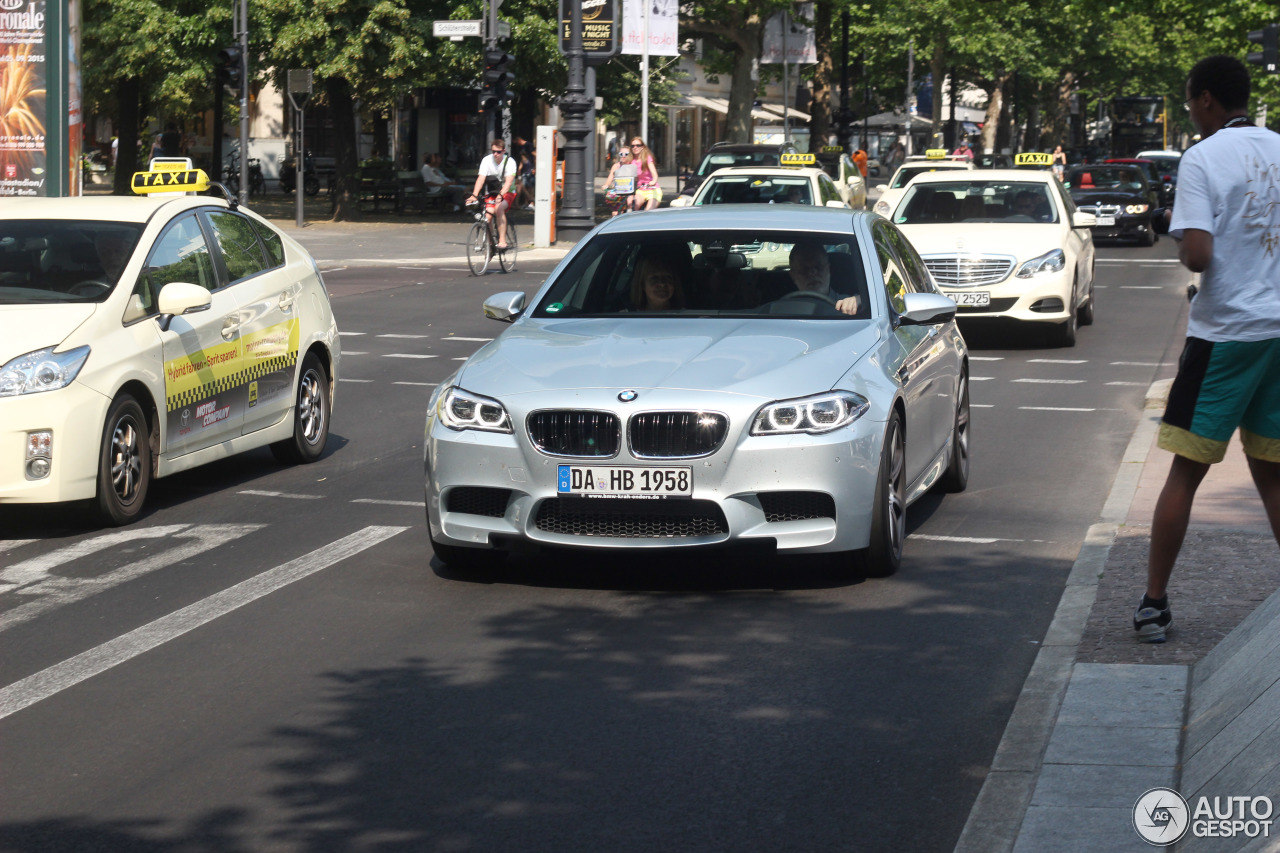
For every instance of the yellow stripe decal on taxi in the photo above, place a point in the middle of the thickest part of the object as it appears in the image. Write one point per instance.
(208, 373)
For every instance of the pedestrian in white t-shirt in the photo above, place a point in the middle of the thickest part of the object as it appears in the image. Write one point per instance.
(1227, 222)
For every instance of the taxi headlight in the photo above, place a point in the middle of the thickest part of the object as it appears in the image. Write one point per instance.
(462, 410)
(815, 415)
(1136, 208)
(42, 370)
(1048, 262)
(882, 207)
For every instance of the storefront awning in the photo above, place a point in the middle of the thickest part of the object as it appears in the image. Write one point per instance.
(721, 105)
(793, 114)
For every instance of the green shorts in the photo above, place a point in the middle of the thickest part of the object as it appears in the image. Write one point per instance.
(1222, 385)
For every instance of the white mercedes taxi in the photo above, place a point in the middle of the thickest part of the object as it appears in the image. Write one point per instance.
(1005, 243)
(796, 180)
(933, 160)
(143, 336)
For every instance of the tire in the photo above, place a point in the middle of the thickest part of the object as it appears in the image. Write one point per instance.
(1085, 315)
(1148, 237)
(883, 555)
(507, 256)
(311, 185)
(1064, 334)
(311, 415)
(956, 477)
(479, 249)
(124, 462)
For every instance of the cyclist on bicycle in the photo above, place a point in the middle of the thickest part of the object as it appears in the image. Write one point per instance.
(496, 174)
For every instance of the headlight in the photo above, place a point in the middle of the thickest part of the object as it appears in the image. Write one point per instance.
(1048, 262)
(814, 415)
(461, 410)
(882, 208)
(1136, 208)
(42, 370)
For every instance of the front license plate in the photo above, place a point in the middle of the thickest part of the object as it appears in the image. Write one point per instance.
(624, 481)
(1106, 220)
(980, 298)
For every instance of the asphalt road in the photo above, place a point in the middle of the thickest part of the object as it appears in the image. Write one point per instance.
(270, 659)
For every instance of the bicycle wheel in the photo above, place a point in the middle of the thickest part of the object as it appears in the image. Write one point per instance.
(479, 249)
(507, 256)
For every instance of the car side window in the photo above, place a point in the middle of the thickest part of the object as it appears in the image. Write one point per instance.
(238, 240)
(181, 254)
(828, 189)
(1067, 204)
(275, 246)
(918, 278)
(895, 283)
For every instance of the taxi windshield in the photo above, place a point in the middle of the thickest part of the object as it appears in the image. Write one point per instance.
(906, 173)
(732, 274)
(62, 260)
(721, 159)
(757, 189)
(976, 201)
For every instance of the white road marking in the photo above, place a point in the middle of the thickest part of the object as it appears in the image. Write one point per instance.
(976, 540)
(427, 384)
(460, 358)
(1143, 384)
(1054, 409)
(354, 352)
(1138, 261)
(982, 405)
(980, 378)
(1057, 361)
(1141, 287)
(1137, 364)
(406, 355)
(37, 568)
(11, 544)
(265, 494)
(420, 504)
(413, 337)
(59, 677)
(1052, 381)
(350, 334)
(986, 358)
(476, 340)
(56, 591)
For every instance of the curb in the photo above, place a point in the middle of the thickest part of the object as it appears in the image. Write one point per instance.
(999, 811)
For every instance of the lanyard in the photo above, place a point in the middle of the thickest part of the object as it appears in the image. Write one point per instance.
(1238, 121)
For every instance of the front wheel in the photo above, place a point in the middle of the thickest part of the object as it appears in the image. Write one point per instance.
(124, 462)
(889, 513)
(507, 256)
(479, 249)
(1085, 316)
(310, 416)
(1064, 334)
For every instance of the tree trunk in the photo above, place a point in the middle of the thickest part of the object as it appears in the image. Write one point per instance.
(823, 77)
(128, 91)
(995, 109)
(380, 133)
(346, 188)
(937, 71)
(746, 80)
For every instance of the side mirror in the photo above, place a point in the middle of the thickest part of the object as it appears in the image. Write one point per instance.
(505, 307)
(926, 309)
(1083, 220)
(179, 297)
(882, 188)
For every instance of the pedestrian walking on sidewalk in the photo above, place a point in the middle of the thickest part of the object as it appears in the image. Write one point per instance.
(1229, 373)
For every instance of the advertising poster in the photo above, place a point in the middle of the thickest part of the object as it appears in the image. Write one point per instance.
(799, 42)
(600, 29)
(23, 170)
(663, 35)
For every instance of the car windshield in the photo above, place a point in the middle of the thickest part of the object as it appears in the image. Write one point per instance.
(61, 260)
(1117, 178)
(737, 273)
(757, 189)
(720, 159)
(976, 201)
(906, 173)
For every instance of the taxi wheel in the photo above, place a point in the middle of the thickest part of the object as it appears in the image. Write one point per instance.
(883, 555)
(956, 477)
(124, 462)
(1064, 334)
(310, 416)
(1085, 316)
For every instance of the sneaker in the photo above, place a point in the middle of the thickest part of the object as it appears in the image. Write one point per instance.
(1151, 622)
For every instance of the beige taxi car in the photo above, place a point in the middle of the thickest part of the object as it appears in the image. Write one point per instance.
(795, 180)
(933, 160)
(143, 336)
(1004, 243)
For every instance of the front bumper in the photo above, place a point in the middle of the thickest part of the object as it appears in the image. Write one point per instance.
(1127, 225)
(75, 414)
(1044, 298)
(800, 493)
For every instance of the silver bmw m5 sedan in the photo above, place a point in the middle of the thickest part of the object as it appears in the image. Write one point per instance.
(701, 376)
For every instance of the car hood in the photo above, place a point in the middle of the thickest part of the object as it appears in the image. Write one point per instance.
(769, 359)
(1021, 239)
(27, 328)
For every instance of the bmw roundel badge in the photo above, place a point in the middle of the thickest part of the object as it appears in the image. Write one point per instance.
(627, 396)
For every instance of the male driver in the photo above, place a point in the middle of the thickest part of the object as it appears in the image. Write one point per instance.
(811, 271)
(502, 170)
(1229, 373)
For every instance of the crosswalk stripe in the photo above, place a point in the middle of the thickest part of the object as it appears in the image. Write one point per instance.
(37, 568)
(49, 682)
(56, 591)
(13, 544)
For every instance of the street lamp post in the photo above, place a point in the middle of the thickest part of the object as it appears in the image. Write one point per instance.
(577, 217)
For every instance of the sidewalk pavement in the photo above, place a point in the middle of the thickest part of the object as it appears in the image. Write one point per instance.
(1102, 719)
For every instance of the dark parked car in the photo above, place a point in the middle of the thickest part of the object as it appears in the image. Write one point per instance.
(1165, 180)
(1124, 201)
(724, 154)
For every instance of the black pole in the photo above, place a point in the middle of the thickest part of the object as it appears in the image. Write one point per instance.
(866, 107)
(844, 117)
(952, 139)
(577, 217)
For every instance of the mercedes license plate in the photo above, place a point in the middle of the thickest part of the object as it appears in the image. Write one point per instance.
(624, 481)
(976, 299)
(1106, 220)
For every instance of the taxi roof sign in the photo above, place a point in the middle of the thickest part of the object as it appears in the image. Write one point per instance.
(164, 180)
(936, 153)
(832, 149)
(797, 160)
(1033, 158)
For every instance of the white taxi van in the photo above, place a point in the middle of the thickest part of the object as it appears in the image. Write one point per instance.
(795, 180)
(143, 336)
(933, 160)
(1004, 243)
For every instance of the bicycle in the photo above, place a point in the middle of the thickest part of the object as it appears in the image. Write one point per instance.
(231, 175)
(482, 239)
